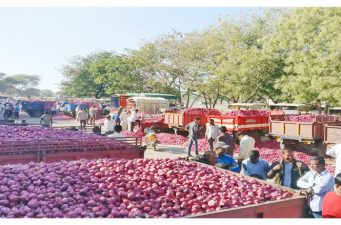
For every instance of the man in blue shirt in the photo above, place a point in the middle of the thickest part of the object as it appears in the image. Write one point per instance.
(254, 166)
(316, 184)
(224, 159)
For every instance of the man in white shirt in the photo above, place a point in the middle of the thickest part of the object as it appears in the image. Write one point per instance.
(316, 184)
(336, 153)
(132, 119)
(108, 126)
(124, 119)
(247, 144)
(212, 132)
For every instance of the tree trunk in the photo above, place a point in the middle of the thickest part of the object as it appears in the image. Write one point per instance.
(216, 100)
(187, 100)
(194, 101)
(205, 100)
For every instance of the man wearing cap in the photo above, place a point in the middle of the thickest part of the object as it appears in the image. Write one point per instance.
(254, 166)
(227, 160)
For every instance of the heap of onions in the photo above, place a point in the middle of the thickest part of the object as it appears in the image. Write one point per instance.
(139, 188)
(62, 116)
(248, 113)
(15, 139)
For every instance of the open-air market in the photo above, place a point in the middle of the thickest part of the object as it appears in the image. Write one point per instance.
(241, 119)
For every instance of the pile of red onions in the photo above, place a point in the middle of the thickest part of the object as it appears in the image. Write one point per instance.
(62, 116)
(38, 133)
(139, 188)
(171, 139)
(310, 118)
(248, 113)
(201, 111)
(132, 134)
(15, 139)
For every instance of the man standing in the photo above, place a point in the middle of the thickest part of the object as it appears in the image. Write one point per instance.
(331, 206)
(227, 139)
(316, 184)
(336, 153)
(287, 171)
(124, 119)
(247, 144)
(254, 166)
(212, 132)
(81, 117)
(92, 114)
(132, 119)
(193, 129)
(46, 120)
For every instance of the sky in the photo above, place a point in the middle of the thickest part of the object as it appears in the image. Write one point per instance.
(40, 40)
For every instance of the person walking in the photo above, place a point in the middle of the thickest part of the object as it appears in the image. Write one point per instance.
(335, 152)
(315, 185)
(254, 166)
(227, 139)
(46, 120)
(331, 204)
(81, 117)
(212, 132)
(287, 171)
(193, 130)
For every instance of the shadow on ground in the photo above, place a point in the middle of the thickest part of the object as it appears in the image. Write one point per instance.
(171, 149)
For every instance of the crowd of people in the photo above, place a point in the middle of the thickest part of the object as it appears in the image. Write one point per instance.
(127, 119)
(9, 109)
(322, 189)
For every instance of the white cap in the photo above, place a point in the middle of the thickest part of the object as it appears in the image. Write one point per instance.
(221, 144)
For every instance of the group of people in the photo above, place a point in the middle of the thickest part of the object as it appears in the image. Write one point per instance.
(9, 109)
(125, 118)
(86, 116)
(322, 189)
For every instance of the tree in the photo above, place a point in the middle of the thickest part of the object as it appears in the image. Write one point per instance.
(307, 41)
(80, 81)
(19, 84)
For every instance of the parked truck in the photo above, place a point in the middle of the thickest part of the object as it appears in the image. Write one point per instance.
(303, 136)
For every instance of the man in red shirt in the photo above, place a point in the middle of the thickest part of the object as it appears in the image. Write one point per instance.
(331, 207)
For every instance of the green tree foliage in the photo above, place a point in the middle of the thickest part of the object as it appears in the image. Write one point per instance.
(283, 55)
(308, 42)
